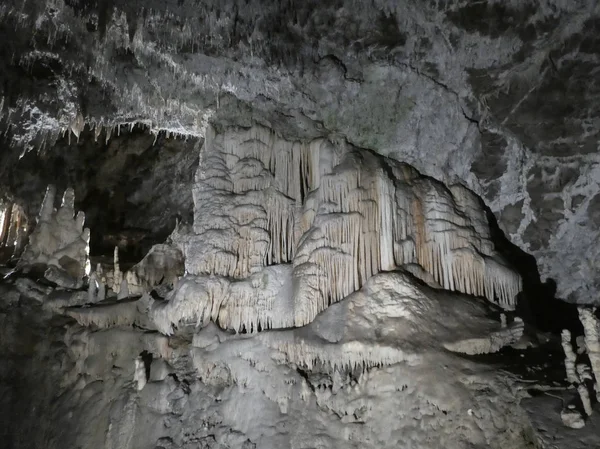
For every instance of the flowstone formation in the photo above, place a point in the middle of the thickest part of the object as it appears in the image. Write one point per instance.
(500, 96)
(283, 229)
(320, 284)
(315, 291)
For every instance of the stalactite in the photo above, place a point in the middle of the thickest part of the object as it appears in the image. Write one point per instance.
(345, 357)
(338, 216)
(123, 313)
(6, 222)
(47, 208)
(93, 288)
(234, 304)
(101, 294)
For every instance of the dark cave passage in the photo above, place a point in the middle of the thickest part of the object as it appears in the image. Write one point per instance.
(537, 303)
(132, 189)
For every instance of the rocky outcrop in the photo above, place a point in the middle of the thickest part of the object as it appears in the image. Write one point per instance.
(373, 366)
(294, 299)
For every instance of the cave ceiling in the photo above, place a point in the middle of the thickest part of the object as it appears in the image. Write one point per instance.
(501, 96)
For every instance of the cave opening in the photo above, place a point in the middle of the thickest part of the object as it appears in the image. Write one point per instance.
(133, 188)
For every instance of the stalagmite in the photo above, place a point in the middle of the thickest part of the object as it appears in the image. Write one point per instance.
(123, 290)
(582, 389)
(93, 287)
(570, 356)
(59, 238)
(101, 284)
(117, 275)
(592, 342)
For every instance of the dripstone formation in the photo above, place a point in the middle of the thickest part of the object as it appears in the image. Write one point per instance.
(299, 224)
(301, 287)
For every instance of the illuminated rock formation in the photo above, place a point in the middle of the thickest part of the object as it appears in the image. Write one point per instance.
(59, 241)
(337, 216)
(13, 229)
(582, 376)
(162, 265)
(591, 326)
(570, 357)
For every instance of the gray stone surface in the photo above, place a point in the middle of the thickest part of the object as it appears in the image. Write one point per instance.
(498, 95)
(501, 96)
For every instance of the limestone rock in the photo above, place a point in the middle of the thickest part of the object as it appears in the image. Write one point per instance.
(59, 241)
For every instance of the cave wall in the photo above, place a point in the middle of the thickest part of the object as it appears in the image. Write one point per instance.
(497, 95)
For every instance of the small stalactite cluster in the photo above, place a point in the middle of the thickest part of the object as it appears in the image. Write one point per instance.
(262, 301)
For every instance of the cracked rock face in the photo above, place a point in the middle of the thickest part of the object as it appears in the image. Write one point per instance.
(497, 95)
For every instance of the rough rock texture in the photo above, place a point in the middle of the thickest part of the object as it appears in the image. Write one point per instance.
(59, 242)
(163, 264)
(323, 218)
(295, 305)
(497, 95)
(133, 189)
(371, 371)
